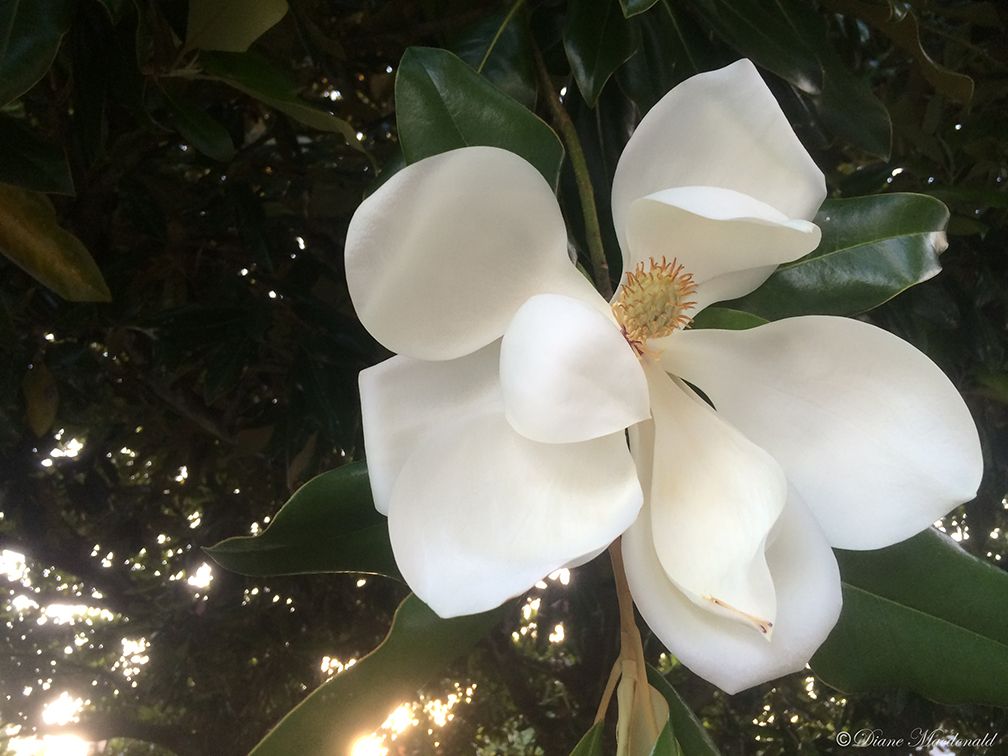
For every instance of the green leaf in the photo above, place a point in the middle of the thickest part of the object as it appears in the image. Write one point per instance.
(666, 744)
(328, 525)
(201, 130)
(30, 161)
(591, 743)
(30, 35)
(872, 249)
(598, 40)
(498, 48)
(31, 237)
(230, 25)
(260, 79)
(899, 24)
(355, 702)
(672, 48)
(769, 34)
(442, 104)
(688, 731)
(789, 38)
(726, 318)
(633, 7)
(922, 615)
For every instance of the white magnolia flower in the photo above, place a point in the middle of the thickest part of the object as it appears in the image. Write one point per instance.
(495, 439)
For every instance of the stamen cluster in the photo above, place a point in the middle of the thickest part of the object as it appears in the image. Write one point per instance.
(652, 303)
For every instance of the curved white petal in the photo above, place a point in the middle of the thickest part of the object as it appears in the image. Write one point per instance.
(715, 233)
(479, 513)
(567, 374)
(722, 128)
(441, 256)
(714, 498)
(726, 653)
(869, 431)
(402, 399)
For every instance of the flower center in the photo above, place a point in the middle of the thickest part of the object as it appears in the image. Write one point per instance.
(652, 302)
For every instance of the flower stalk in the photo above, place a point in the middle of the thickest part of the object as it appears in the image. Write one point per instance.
(586, 192)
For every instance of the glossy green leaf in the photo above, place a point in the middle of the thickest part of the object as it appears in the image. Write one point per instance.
(672, 48)
(922, 615)
(789, 38)
(666, 744)
(598, 40)
(33, 31)
(31, 162)
(355, 702)
(230, 25)
(726, 318)
(260, 79)
(633, 7)
(200, 129)
(768, 33)
(687, 729)
(443, 104)
(592, 742)
(328, 525)
(872, 248)
(31, 237)
(498, 48)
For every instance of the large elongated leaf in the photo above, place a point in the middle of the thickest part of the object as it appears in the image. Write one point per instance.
(598, 40)
(231, 25)
(592, 742)
(498, 48)
(789, 38)
(328, 525)
(200, 129)
(355, 702)
(258, 78)
(683, 723)
(769, 34)
(31, 237)
(443, 104)
(872, 249)
(30, 35)
(29, 161)
(922, 615)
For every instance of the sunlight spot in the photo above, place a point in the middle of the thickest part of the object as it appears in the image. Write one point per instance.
(62, 710)
(202, 578)
(369, 745)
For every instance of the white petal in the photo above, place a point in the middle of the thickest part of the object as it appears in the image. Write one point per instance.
(567, 374)
(726, 653)
(715, 234)
(869, 431)
(721, 128)
(479, 513)
(442, 255)
(402, 399)
(714, 498)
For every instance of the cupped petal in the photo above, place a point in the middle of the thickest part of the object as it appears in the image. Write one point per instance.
(868, 429)
(726, 653)
(567, 374)
(729, 242)
(479, 513)
(402, 399)
(722, 128)
(714, 497)
(441, 256)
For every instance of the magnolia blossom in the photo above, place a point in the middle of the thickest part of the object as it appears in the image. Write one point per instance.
(496, 438)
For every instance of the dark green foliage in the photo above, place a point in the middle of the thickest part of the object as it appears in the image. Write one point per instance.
(212, 191)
